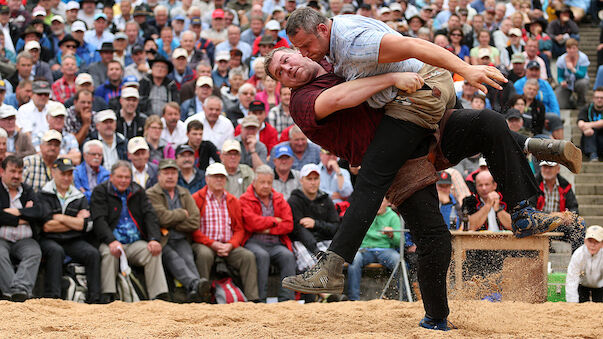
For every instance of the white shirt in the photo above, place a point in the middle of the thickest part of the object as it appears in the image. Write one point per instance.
(8, 42)
(222, 130)
(110, 155)
(178, 137)
(584, 269)
(30, 119)
(141, 177)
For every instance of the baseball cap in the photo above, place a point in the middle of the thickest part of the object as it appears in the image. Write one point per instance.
(121, 35)
(58, 18)
(533, 64)
(444, 178)
(78, 26)
(309, 168)
(7, 111)
(395, 6)
(205, 80)
(83, 78)
(250, 121)
(63, 164)
(515, 31)
(137, 48)
(184, 148)
(104, 115)
(518, 58)
(137, 143)
(216, 169)
(256, 105)
(217, 14)
(4, 9)
(482, 162)
(283, 150)
(52, 134)
(167, 163)
(483, 52)
(273, 25)
(56, 109)
(100, 16)
(513, 113)
(223, 55)
(130, 92)
(384, 10)
(41, 86)
(231, 145)
(72, 5)
(32, 44)
(38, 10)
(179, 52)
(594, 232)
(129, 81)
(196, 21)
(179, 18)
(348, 9)
(2, 85)
(548, 163)
(266, 40)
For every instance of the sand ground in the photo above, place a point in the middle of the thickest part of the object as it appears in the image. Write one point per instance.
(373, 319)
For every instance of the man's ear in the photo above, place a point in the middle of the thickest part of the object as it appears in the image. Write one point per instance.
(322, 29)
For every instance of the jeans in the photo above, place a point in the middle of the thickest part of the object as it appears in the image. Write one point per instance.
(27, 253)
(387, 257)
(593, 144)
(272, 252)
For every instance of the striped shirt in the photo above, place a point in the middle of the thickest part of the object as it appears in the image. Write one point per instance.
(215, 223)
(35, 172)
(551, 198)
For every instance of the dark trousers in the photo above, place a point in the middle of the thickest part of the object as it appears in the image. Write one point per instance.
(305, 236)
(468, 132)
(82, 252)
(278, 253)
(593, 144)
(585, 294)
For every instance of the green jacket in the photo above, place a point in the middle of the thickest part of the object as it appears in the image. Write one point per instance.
(374, 238)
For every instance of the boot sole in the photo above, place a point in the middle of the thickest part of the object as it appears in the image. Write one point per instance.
(573, 155)
(310, 290)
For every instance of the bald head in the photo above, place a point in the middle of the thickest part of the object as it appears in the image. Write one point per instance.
(484, 183)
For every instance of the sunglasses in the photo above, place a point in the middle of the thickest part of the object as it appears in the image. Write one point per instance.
(71, 46)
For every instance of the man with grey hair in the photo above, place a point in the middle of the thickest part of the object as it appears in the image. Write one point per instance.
(36, 167)
(304, 152)
(267, 219)
(216, 127)
(16, 143)
(90, 172)
(125, 222)
(3, 138)
(240, 175)
(23, 66)
(234, 41)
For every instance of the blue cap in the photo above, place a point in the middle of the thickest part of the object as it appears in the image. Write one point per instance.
(196, 21)
(283, 150)
(130, 80)
(100, 15)
(179, 17)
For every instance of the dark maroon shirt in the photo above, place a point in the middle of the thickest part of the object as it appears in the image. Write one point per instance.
(346, 133)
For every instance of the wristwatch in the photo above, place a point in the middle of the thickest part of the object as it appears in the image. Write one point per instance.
(500, 209)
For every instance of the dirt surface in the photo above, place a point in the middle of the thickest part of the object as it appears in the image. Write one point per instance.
(373, 319)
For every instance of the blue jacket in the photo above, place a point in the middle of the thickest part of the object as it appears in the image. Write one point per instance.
(196, 184)
(80, 178)
(545, 94)
(107, 91)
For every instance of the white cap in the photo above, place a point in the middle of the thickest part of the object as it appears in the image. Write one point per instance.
(548, 163)
(482, 162)
(32, 44)
(231, 145)
(56, 108)
(216, 169)
(395, 6)
(483, 52)
(58, 18)
(83, 78)
(38, 11)
(273, 25)
(137, 143)
(205, 80)
(104, 115)
(515, 31)
(7, 111)
(179, 52)
(130, 92)
(309, 168)
(52, 135)
(222, 55)
(72, 5)
(594, 232)
(384, 10)
(78, 26)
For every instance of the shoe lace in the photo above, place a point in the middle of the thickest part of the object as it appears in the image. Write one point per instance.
(310, 272)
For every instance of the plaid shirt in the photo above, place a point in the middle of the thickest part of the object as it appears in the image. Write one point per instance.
(35, 172)
(215, 223)
(62, 90)
(279, 119)
(73, 121)
(551, 198)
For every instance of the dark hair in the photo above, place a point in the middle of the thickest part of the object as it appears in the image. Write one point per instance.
(268, 59)
(454, 30)
(598, 89)
(304, 18)
(12, 159)
(194, 125)
(478, 96)
(80, 92)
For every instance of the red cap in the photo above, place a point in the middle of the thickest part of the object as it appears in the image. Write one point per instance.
(218, 13)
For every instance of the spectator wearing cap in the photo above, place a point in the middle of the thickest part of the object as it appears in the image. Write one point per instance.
(315, 219)
(561, 29)
(572, 76)
(65, 229)
(515, 46)
(217, 33)
(111, 88)
(449, 207)
(57, 27)
(139, 66)
(124, 220)
(124, 16)
(517, 69)
(9, 30)
(191, 177)
(179, 218)
(99, 35)
(335, 181)
(130, 123)
(17, 234)
(67, 45)
(205, 151)
(140, 14)
(31, 117)
(584, 280)
(271, 29)
(246, 95)
(114, 144)
(279, 116)
(220, 74)
(267, 134)
(98, 70)
(268, 220)
(221, 232)
(303, 151)
(537, 29)
(64, 87)
(71, 10)
(56, 121)
(90, 172)
(17, 143)
(174, 131)
(255, 30)
(40, 69)
(119, 44)
(531, 54)
(216, 127)
(182, 72)
(36, 31)
(190, 107)
(85, 51)
(515, 122)
(36, 167)
(156, 89)
(253, 152)
(545, 91)
(88, 12)
(144, 172)
(240, 175)
(234, 42)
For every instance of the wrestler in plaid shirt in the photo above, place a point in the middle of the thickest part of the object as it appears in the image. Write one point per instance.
(215, 223)
(62, 90)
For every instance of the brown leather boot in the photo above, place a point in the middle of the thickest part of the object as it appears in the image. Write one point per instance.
(561, 151)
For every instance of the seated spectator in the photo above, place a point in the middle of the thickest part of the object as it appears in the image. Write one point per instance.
(379, 245)
(240, 175)
(286, 179)
(22, 95)
(449, 206)
(114, 144)
(216, 127)
(271, 29)
(144, 172)
(66, 226)
(466, 95)
(456, 42)
(56, 121)
(204, 54)
(572, 76)
(111, 87)
(478, 101)
(130, 123)
(178, 219)
(153, 126)
(484, 43)
(270, 95)
(246, 96)
(98, 70)
(334, 181)
(217, 33)
(518, 70)
(84, 81)
(124, 220)
(19, 253)
(515, 122)
(486, 209)
(182, 72)
(535, 118)
(221, 232)
(545, 91)
(234, 42)
(41, 69)
(253, 152)
(80, 116)
(304, 152)
(230, 94)
(156, 89)
(139, 66)
(591, 125)
(315, 219)
(64, 87)
(98, 35)
(278, 116)
(174, 131)
(531, 54)
(584, 281)
(90, 172)
(536, 30)
(193, 106)
(562, 29)
(31, 117)
(23, 69)
(220, 74)
(36, 167)
(190, 177)
(268, 134)
(20, 143)
(267, 220)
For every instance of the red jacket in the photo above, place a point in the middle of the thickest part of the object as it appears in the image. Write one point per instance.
(234, 211)
(268, 135)
(254, 222)
(567, 198)
(280, 42)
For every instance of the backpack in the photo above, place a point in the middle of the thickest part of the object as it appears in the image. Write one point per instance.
(75, 283)
(226, 292)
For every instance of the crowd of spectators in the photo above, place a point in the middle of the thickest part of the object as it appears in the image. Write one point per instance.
(149, 130)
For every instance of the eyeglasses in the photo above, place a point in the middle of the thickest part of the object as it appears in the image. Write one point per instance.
(456, 34)
(71, 46)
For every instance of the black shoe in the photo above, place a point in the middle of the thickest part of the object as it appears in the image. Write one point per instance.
(107, 298)
(18, 297)
(163, 296)
(204, 290)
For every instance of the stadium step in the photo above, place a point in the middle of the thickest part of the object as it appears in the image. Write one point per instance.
(592, 167)
(589, 189)
(589, 178)
(590, 200)
(591, 210)
(593, 220)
